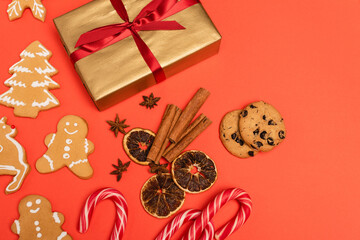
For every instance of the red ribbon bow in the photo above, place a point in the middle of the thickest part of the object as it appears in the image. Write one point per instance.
(149, 19)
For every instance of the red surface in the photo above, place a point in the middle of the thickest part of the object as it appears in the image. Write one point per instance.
(301, 56)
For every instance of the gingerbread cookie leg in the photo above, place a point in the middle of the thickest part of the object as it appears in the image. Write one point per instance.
(19, 176)
(47, 164)
(81, 168)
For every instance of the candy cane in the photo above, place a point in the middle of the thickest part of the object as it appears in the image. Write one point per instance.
(179, 220)
(208, 213)
(121, 211)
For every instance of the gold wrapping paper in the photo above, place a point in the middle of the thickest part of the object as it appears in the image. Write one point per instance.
(119, 71)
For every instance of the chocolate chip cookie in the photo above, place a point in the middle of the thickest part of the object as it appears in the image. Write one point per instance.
(261, 126)
(230, 136)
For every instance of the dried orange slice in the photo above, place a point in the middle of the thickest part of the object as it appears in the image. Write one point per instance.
(194, 171)
(161, 197)
(137, 144)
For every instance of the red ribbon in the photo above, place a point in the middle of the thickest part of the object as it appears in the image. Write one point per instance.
(149, 19)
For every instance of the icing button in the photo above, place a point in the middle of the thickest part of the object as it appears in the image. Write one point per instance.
(37, 229)
(68, 141)
(36, 223)
(66, 156)
(67, 148)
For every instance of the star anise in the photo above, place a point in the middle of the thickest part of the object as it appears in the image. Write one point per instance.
(120, 169)
(117, 125)
(150, 102)
(158, 168)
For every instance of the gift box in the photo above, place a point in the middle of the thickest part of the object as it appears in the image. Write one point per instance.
(137, 52)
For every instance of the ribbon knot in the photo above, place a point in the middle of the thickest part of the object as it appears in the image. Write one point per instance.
(149, 19)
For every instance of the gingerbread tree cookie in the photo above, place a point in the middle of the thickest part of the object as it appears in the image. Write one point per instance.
(68, 147)
(37, 221)
(17, 7)
(12, 157)
(30, 83)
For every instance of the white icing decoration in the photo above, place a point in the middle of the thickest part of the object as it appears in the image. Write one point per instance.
(86, 146)
(13, 82)
(37, 229)
(12, 8)
(47, 102)
(51, 162)
(1, 148)
(56, 217)
(4, 127)
(27, 54)
(38, 8)
(66, 148)
(52, 139)
(34, 211)
(21, 161)
(48, 69)
(2, 120)
(66, 156)
(47, 82)
(67, 123)
(29, 204)
(70, 133)
(9, 100)
(36, 223)
(17, 68)
(17, 223)
(39, 235)
(68, 141)
(62, 235)
(38, 201)
(77, 162)
(75, 124)
(44, 53)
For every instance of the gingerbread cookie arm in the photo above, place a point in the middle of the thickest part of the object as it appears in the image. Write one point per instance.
(49, 139)
(89, 146)
(58, 218)
(15, 227)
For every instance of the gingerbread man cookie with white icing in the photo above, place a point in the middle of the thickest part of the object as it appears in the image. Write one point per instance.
(17, 7)
(37, 221)
(68, 147)
(12, 157)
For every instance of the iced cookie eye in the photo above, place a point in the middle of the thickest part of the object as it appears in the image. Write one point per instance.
(29, 204)
(67, 123)
(75, 124)
(38, 201)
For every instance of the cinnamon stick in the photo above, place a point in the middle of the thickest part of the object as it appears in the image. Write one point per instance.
(188, 129)
(162, 132)
(188, 114)
(166, 142)
(181, 145)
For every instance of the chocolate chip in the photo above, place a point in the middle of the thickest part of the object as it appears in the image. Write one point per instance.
(259, 144)
(264, 117)
(244, 113)
(256, 132)
(271, 122)
(251, 153)
(252, 106)
(281, 134)
(262, 134)
(252, 146)
(224, 135)
(270, 141)
(233, 136)
(241, 142)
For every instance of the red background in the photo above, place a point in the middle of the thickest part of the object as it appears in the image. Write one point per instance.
(301, 56)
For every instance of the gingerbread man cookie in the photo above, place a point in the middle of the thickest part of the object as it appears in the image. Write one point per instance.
(68, 147)
(12, 157)
(37, 221)
(17, 7)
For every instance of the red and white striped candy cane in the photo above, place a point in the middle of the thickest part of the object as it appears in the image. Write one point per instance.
(182, 218)
(121, 211)
(208, 213)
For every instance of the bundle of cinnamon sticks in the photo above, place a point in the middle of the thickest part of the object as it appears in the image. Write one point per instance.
(176, 131)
